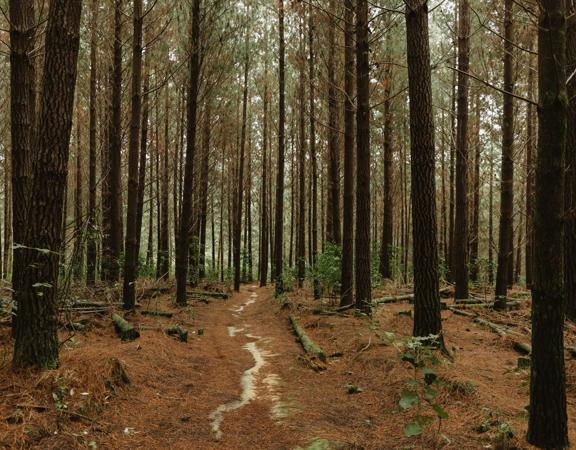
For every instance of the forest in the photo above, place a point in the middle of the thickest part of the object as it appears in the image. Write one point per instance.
(287, 224)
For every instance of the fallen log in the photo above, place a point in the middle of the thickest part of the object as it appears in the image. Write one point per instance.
(401, 298)
(501, 330)
(125, 330)
(157, 313)
(522, 348)
(308, 344)
(462, 312)
(177, 330)
(214, 294)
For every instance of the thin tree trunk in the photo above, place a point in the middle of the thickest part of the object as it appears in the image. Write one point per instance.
(279, 223)
(505, 244)
(347, 276)
(204, 174)
(460, 248)
(301, 238)
(475, 229)
(164, 244)
(362, 240)
(142, 164)
(186, 214)
(131, 244)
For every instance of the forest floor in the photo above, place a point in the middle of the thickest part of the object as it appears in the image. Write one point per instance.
(242, 381)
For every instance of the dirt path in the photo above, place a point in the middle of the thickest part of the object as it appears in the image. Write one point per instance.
(224, 390)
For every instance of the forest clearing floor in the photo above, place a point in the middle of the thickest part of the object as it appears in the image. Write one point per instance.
(242, 381)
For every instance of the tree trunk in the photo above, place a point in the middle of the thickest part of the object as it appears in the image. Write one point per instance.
(92, 228)
(301, 235)
(347, 276)
(264, 210)
(279, 223)
(313, 156)
(388, 215)
(333, 197)
(475, 230)
(22, 120)
(112, 238)
(142, 163)
(164, 243)
(36, 343)
(131, 244)
(547, 423)
(204, 174)
(505, 245)
(362, 260)
(186, 213)
(530, 141)
(460, 248)
(427, 319)
(78, 254)
(240, 176)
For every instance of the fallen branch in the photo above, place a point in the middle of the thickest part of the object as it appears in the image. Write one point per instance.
(402, 298)
(522, 348)
(463, 313)
(308, 344)
(214, 294)
(125, 330)
(157, 313)
(502, 331)
(176, 330)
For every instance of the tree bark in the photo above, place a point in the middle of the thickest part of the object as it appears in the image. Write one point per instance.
(460, 248)
(505, 244)
(362, 236)
(36, 343)
(279, 223)
(547, 423)
(186, 213)
(427, 320)
(131, 244)
(347, 275)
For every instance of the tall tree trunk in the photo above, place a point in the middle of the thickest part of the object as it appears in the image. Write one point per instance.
(131, 244)
(460, 249)
(362, 260)
(530, 141)
(279, 223)
(475, 229)
(333, 197)
(204, 175)
(164, 244)
(301, 235)
(112, 238)
(388, 210)
(92, 228)
(36, 343)
(427, 319)
(240, 179)
(570, 188)
(347, 276)
(505, 244)
(22, 120)
(186, 213)
(547, 423)
(78, 255)
(264, 210)
(313, 156)
(142, 163)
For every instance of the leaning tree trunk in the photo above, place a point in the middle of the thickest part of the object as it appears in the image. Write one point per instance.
(22, 104)
(362, 237)
(36, 343)
(460, 248)
(505, 245)
(186, 212)
(347, 275)
(427, 320)
(547, 423)
(131, 244)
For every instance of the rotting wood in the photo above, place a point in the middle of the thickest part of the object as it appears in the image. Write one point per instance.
(214, 294)
(308, 344)
(177, 330)
(522, 348)
(463, 313)
(125, 330)
(501, 330)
